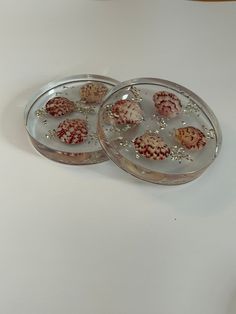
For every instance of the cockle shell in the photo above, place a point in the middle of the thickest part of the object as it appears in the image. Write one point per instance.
(92, 93)
(167, 104)
(72, 131)
(127, 112)
(151, 146)
(59, 106)
(190, 137)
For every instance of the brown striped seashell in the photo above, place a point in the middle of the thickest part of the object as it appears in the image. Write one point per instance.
(93, 93)
(167, 104)
(190, 137)
(72, 131)
(127, 112)
(59, 106)
(151, 146)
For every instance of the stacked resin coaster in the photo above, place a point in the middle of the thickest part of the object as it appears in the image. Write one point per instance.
(156, 130)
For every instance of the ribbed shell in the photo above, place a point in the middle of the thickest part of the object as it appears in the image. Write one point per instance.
(127, 112)
(72, 131)
(93, 93)
(151, 146)
(59, 106)
(167, 104)
(190, 137)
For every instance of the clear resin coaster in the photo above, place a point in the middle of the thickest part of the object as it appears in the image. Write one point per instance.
(61, 119)
(158, 131)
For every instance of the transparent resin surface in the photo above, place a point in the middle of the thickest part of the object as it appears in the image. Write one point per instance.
(158, 131)
(62, 119)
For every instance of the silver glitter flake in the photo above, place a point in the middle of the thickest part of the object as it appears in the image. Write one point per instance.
(135, 94)
(162, 122)
(193, 108)
(51, 134)
(40, 113)
(210, 133)
(93, 138)
(152, 132)
(81, 108)
(124, 143)
(178, 154)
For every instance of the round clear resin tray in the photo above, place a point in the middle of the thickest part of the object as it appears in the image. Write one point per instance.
(61, 119)
(158, 131)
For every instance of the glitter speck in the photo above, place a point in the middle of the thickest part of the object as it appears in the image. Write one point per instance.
(210, 133)
(178, 154)
(40, 113)
(136, 96)
(192, 108)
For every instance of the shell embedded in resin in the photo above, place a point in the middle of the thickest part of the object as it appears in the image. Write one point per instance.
(167, 104)
(59, 106)
(190, 137)
(92, 93)
(127, 112)
(151, 146)
(72, 131)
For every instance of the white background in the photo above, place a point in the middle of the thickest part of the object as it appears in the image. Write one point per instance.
(93, 239)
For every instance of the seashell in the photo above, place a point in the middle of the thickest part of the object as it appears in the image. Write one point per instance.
(127, 112)
(151, 146)
(190, 137)
(92, 93)
(59, 106)
(167, 104)
(72, 131)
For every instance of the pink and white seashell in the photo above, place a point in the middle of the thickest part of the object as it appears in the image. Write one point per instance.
(167, 104)
(93, 93)
(72, 131)
(190, 137)
(127, 112)
(59, 106)
(151, 146)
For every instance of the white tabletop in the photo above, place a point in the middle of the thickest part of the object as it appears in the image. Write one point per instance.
(93, 239)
